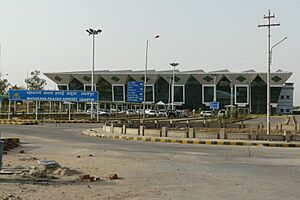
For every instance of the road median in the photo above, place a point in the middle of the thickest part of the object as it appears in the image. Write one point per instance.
(96, 133)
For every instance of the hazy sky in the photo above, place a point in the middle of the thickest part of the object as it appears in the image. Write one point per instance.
(49, 35)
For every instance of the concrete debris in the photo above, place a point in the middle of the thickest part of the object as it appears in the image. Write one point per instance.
(8, 170)
(11, 197)
(89, 178)
(65, 171)
(49, 163)
(28, 159)
(49, 169)
(112, 176)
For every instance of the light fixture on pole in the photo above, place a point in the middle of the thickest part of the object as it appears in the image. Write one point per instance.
(93, 32)
(268, 25)
(173, 83)
(145, 75)
(276, 45)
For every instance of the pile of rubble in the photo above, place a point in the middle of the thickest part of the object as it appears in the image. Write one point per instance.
(48, 169)
(11, 196)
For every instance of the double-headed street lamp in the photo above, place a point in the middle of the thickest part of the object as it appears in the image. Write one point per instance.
(173, 83)
(145, 75)
(93, 32)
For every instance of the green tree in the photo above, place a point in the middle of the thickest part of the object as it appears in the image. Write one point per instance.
(34, 82)
(4, 84)
(17, 87)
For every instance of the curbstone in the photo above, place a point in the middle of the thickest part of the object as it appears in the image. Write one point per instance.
(198, 141)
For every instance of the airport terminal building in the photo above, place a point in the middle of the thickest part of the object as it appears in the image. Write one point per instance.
(193, 89)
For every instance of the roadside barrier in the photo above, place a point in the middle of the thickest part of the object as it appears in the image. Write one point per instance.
(192, 140)
(18, 122)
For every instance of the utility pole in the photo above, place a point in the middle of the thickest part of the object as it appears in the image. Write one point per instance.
(268, 25)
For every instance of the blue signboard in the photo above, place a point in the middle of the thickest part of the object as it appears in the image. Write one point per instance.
(214, 105)
(135, 92)
(53, 95)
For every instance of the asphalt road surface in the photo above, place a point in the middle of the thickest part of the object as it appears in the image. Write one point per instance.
(180, 171)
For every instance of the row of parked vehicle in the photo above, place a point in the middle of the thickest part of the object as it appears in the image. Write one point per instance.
(157, 113)
(148, 112)
(208, 113)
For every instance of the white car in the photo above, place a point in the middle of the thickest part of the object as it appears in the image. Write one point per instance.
(130, 112)
(162, 113)
(222, 113)
(152, 113)
(206, 113)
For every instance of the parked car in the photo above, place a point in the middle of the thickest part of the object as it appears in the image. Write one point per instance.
(88, 111)
(171, 113)
(130, 112)
(152, 113)
(162, 113)
(122, 111)
(222, 113)
(206, 113)
(181, 113)
(104, 112)
(139, 111)
(147, 111)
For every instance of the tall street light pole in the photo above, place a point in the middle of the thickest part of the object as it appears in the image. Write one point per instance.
(145, 75)
(173, 83)
(93, 32)
(269, 25)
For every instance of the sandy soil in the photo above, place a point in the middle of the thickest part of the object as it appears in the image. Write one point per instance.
(101, 164)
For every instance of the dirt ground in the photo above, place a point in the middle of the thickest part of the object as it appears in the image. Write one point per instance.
(145, 170)
(100, 164)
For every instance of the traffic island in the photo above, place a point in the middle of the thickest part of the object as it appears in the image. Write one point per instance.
(100, 134)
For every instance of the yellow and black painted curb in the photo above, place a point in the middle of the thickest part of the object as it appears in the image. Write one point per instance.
(34, 122)
(200, 141)
(18, 122)
(10, 143)
(70, 121)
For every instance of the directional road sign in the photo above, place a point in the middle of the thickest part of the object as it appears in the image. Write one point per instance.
(135, 91)
(214, 105)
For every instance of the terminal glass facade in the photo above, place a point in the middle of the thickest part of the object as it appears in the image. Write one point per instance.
(275, 92)
(258, 96)
(149, 93)
(118, 93)
(178, 93)
(224, 92)
(62, 87)
(241, 94)
(162, 90)
(76, 85)
(208, 94)
(105, 90)
(193, 93)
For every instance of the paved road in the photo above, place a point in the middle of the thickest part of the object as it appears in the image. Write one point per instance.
(180, 171)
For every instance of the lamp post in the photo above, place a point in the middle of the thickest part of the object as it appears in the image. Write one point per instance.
(275, 46)
(145, 75)
(173, 83)
(93, 32)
